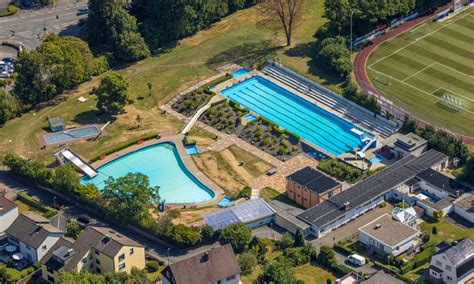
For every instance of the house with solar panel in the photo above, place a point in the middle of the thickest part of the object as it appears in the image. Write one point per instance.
(370, 192)
(253, 213)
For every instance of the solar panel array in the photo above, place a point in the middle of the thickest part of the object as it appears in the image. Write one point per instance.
(245, 212)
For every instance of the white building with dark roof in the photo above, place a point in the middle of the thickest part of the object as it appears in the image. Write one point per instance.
(454, 264)
(464, 206)
(8, 214)
(386, 235)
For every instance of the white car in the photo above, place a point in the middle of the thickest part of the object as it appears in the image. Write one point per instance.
(356, 259)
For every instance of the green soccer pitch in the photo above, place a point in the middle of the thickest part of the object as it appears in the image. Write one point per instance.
(422, 67)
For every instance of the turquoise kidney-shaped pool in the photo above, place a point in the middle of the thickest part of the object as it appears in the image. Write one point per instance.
(163, 165)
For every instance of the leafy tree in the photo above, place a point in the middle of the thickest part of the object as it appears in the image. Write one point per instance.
(296, 256)
(129, 197)
(326, 255)
(434, 230)
(277, 271)
(469, 171)
(282, 14)
(8, 106)
(236, 234)
(5, 277)
(112, 93)
(183, 235)
(72, 229)
(66, 179)
(299, 238)
(438, 215)
(58, 64)
(333, 53)
(83, 277)
(132, 47)
(258, 248)
(286, 241)
(247, 262)
(99, 24)
(207, 233)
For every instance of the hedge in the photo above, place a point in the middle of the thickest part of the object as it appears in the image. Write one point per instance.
(386, 268)
(11, 10)
(125, 145)
(343, 249)
(46, 211)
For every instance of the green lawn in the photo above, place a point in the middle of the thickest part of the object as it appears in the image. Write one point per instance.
(251, 163)
(312, 274)
(416, 68)
(237, 38)
(448, 231)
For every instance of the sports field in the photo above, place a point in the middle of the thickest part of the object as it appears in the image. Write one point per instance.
(429, 71)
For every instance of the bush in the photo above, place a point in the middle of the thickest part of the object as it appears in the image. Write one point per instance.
(434, 230)
(46, 211)
(236, 234)
(339, 170)
(152, 266)
(247, 261)
(246, 192)
(343, 249)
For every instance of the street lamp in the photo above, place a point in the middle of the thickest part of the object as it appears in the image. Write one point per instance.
(54, 201)
(168, 253)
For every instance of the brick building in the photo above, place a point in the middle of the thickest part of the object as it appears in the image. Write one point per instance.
(309, 187)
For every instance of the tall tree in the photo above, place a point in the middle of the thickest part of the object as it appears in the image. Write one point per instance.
(8, 106)
(112, 93)
(277, 271)
(282, 14)
(238, 235)
(99, 20)
(130, 197)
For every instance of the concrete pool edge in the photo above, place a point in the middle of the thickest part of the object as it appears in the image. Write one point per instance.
(187, 161)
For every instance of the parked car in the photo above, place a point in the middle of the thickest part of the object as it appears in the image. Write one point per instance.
(82, 11)
(356, 259)
(9, 60)
(83, 220)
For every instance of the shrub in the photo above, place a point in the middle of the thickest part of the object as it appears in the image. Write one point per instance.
(434, 230)
(11, 10)
(152, 266)
(247, 261)
(339, 170)
(246, 192)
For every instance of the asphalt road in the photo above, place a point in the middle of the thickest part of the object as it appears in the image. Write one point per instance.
(28, 24)
(13, 185)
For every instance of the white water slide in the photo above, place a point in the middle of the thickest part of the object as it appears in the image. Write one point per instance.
(73, 158)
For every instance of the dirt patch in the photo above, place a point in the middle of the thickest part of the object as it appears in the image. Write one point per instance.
(230, 158)
(189, 216)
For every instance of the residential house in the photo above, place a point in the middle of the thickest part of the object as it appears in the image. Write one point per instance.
(453, 263)
(8, 214)
(385, 235)
(309, 187)
(97, 249)
(33, 235)
(219, 265)
(367, 194)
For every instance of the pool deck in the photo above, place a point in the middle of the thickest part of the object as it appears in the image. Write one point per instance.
(171, 136)
(231, 82)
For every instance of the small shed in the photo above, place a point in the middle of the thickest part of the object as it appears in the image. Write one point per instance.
(56, 124)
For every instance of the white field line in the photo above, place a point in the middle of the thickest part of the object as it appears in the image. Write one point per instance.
(416, 88)
(451, 68)
(428, 34)
(418, 72)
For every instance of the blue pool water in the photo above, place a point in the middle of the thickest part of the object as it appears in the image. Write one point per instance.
(325, 130)
(240, 72)
(70, 135)
(163, 166)
(250, 117)
(224, 202)
(191, 149)
(377, 158)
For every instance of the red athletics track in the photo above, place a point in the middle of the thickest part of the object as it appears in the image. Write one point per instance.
(360, 61)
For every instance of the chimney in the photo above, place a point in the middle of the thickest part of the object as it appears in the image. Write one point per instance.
(205, 257)
(378, 226)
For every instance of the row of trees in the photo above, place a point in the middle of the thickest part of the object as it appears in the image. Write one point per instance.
(85, 277)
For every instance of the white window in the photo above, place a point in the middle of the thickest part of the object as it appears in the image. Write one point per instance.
(121, 257)
(131, 251)
(439, 264)
(122, 266)
(448, 268)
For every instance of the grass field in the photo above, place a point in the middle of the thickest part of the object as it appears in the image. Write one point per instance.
(237, 38)
(417, 67)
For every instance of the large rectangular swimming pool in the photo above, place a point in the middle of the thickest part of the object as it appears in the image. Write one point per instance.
(312, 123)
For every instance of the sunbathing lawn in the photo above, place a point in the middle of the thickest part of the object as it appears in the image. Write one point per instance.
(252, 164)
(234, 39)
(191, 215)
(201, 136)
(448, 231)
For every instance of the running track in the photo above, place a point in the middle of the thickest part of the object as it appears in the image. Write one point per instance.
(360, 62)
